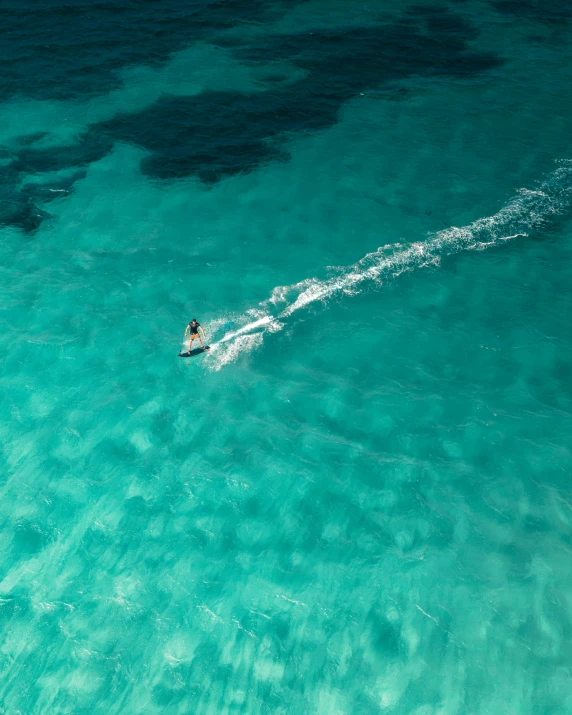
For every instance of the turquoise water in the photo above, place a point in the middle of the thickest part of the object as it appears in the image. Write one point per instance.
(359, 501)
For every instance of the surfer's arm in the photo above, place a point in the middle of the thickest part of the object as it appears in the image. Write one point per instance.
(186, 331)
(202, 331)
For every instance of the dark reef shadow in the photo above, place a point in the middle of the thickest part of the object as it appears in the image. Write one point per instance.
(217, 134)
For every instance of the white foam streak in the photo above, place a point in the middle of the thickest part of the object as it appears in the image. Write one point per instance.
(245, 329)
(529, 209)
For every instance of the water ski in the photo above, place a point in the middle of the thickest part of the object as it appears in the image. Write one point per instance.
(195, 352)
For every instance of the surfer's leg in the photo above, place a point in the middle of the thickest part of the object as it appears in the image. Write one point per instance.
(200, 341)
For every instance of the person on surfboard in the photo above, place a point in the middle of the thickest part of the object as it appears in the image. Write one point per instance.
(193, 330)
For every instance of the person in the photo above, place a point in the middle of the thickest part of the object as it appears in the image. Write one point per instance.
(193, 330)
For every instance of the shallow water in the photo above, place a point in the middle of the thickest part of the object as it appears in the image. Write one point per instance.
(359, 501)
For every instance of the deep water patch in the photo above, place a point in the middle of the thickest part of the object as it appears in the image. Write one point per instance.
(64, 50)
(217, 134)
(24, 186)
(58, 50)
(16, 208)
(556, 12)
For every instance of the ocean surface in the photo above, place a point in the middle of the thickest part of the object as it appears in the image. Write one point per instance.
(360, 501)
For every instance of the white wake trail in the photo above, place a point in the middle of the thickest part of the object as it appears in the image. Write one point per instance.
(528, 210)
(248, 328)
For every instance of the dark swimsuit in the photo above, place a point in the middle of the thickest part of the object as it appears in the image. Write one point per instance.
(194, 328)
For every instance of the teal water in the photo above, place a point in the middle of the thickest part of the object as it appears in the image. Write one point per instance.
(360, 500)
